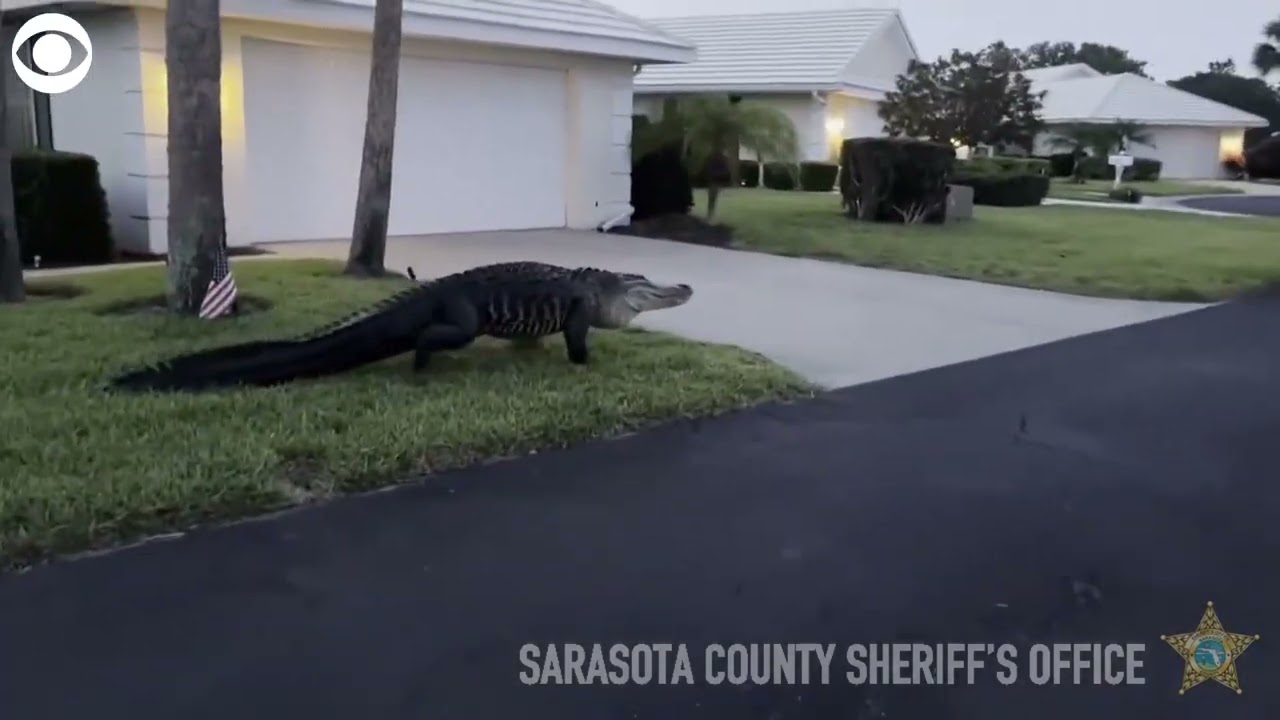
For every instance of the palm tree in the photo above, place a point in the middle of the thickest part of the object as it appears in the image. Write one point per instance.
(1266, 56)
(197, 215)
(713, 128)
(373, 200)
(1100, 140)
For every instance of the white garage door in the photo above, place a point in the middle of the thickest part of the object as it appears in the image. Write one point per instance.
(478, 146)
(1184, 152)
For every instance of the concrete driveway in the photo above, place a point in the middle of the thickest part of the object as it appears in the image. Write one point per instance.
(835, 324)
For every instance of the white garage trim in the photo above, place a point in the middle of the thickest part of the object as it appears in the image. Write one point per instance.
(457, 165)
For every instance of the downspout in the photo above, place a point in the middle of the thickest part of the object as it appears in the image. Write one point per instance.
(608, 225)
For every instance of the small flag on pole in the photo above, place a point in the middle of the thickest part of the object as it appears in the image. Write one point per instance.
(220, 298)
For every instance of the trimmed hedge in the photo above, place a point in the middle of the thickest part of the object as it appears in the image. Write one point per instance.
(1061, 164)
(818, 176)
(895, 179)
(748, 173)
(1262, 160)
(659, 180)
(1142, 169)
(1145, 169)
(60, 208)
(1005, 189)
(998, 165)
(780, 176)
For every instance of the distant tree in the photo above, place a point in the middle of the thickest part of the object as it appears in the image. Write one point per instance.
(1266, 56)
(1223, 67)
(977, 98)
(1106, 59)
(12, 289)
(1251, 95)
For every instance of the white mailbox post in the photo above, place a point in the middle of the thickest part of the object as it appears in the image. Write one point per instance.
(1120, 161)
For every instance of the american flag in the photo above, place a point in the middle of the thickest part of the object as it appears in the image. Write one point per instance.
(220, 298)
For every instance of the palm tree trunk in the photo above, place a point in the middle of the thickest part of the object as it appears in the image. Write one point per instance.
(713, 195)
(373, 203)
(12, 289)
(197, 215)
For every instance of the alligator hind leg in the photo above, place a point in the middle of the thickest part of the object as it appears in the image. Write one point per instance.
(439, 338)
(576, 327)
(458, 330)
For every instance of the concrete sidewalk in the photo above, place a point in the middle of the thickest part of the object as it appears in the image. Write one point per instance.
(834, 323)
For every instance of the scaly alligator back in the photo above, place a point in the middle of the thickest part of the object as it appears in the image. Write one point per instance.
(383, 330)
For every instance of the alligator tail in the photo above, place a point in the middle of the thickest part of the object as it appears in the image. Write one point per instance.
(261, 363)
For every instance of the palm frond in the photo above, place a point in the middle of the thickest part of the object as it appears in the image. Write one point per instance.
(707, 125)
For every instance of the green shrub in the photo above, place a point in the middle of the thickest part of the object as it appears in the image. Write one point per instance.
(997, 165)
(1262, 160)
(1021, 165)
(818, 176)
(1006, 189)
(60, 208)
(895, 179)
(659, 178)
(1061, 164)
(1125, 194)
(1144, 169)
(977, 166)
(780, 176)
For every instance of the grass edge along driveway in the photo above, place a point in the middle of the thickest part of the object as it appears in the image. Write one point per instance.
(1096, 190)
(86, 469)
(1104, 252)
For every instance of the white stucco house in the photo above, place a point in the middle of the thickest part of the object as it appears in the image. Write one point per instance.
(828, 70)
(1190, 135)
(512, 114)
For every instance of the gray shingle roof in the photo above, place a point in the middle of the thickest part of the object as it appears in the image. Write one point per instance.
(801, 49)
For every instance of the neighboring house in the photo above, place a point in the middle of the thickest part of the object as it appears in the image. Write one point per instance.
(512, 115)
(828, 70)
(1190, 135)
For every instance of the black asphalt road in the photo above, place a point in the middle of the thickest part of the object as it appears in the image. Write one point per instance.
(1268, 205)
(915, 509)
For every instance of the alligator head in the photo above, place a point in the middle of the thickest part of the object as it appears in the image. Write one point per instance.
(622, 296)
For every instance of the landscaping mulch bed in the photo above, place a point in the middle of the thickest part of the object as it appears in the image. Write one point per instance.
(680, 228)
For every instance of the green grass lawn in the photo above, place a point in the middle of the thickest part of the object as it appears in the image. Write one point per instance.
(1097, 189)
(1088, 251)
(84, 468)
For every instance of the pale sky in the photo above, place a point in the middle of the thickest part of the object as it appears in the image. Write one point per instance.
(1175, 42)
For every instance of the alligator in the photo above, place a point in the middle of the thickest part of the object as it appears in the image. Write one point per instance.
(518, 301)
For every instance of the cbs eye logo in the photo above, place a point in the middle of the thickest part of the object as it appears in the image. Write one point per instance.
(51, 53)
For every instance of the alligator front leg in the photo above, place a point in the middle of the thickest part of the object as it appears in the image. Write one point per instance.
(576, 327)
